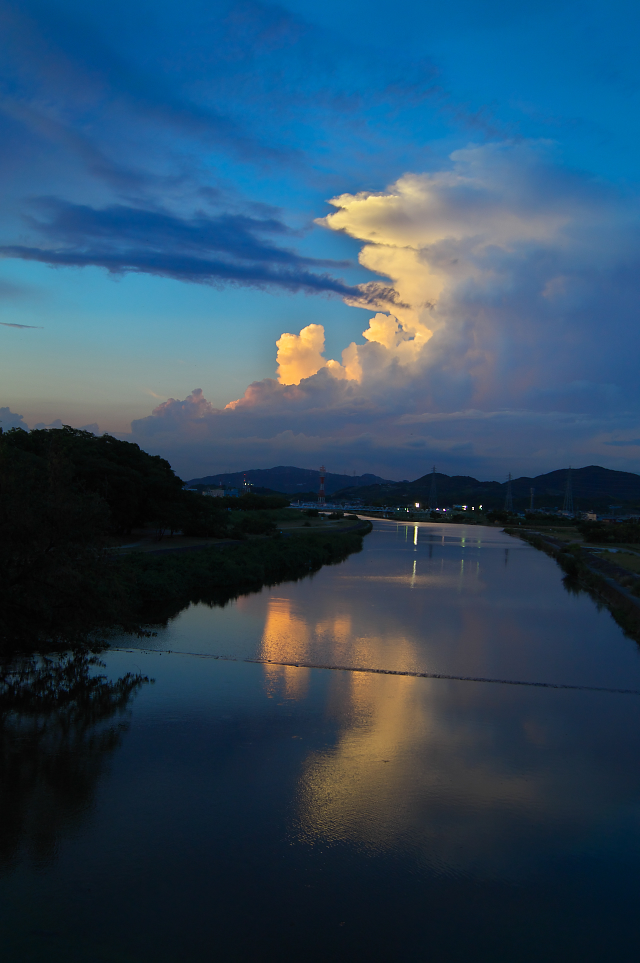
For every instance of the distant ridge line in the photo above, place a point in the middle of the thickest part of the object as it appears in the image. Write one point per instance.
(592, 487)
(290, 480)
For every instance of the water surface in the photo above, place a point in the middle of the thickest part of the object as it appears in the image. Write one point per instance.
(247, 811)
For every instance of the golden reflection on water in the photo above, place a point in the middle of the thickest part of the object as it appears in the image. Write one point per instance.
(290, 635)
(413, 769)
(448, 771)
(396, 754)
(286, 682)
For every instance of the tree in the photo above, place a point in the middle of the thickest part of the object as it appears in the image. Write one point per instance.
(136, 487)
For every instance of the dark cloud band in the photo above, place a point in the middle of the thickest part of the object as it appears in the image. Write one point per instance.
(205, 249)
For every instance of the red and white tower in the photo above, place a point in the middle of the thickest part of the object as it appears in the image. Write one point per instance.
(323, 472)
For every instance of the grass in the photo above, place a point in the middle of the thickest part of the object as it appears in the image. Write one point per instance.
(627, 560)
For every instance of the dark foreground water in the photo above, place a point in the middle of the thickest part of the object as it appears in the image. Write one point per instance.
(237, 811)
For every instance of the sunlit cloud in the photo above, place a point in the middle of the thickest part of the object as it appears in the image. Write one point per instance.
(502, 334)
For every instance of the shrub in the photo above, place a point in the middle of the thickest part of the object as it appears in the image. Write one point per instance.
(602, 532)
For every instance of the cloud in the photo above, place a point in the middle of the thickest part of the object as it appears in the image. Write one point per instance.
(10, 324)
(9, 290)
(58, 423)
(130, 143)
(85, 106)
(300, 355)
(9, 419)
(511, 344)
(53, 56)
(326, 420)
(202, 248)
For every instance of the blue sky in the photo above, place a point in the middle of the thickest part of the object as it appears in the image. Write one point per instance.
(164, 172)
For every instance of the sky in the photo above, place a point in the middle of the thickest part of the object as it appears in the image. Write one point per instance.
(370, 236)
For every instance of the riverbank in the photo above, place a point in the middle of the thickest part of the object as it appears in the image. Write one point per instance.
(162, 584)
(132, 591)
(616, 586)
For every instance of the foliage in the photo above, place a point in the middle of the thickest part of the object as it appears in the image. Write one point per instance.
(602, 533)
(498, 516)
(215, 574)
(53, 582)
(558, 521)
(61, 493)
(203, 517)
(253, 523)
(135, 487)
(251, 502)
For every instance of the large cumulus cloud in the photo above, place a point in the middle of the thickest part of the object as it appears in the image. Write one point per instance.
(512, 341)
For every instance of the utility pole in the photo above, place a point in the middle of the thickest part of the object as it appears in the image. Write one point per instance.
(433, 495)
(568, 495)
(532, 493)
(508, 502)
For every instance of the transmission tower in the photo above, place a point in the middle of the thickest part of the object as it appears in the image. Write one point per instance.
(532, 492)
(433, 495)
(323, 472)
(568, 495)
(508, 502)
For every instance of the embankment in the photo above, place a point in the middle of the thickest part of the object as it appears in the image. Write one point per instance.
(606, 582)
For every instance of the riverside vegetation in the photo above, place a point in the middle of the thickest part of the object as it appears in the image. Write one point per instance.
(68, 498)
(609, 579)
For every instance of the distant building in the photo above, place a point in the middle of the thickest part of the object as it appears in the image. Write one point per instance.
(215, 492)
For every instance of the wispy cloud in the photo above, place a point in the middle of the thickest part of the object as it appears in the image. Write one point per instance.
(9, 324)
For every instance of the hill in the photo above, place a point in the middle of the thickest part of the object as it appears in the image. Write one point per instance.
(593, 488)
(289, 480)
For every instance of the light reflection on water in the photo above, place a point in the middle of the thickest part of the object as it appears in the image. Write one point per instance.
(446, 599)
(261, 810)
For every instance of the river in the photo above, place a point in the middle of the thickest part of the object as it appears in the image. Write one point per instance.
(246, 806)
